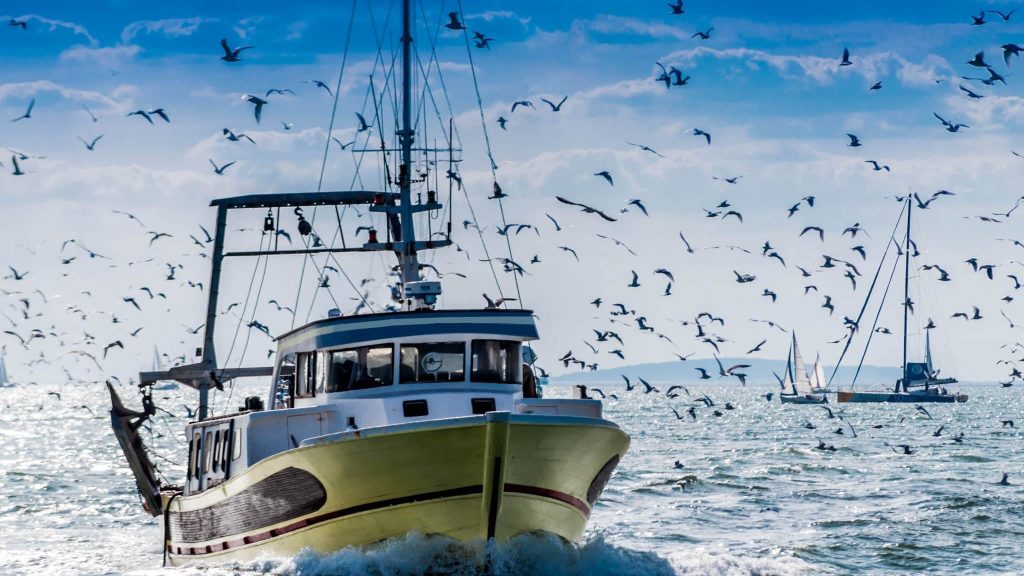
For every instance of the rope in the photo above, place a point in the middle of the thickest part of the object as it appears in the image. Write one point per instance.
(327, 148)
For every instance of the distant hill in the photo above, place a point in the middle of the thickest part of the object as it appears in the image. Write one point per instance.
(760, 372)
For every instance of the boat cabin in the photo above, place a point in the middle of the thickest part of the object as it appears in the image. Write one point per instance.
(344, 377)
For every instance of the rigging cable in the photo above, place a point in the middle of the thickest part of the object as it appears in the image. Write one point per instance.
(867, 299)
(881, 305)
(454, 135)
(327, 148)
(490, 154)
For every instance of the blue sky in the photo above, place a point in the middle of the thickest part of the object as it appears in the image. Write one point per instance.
(767, 85)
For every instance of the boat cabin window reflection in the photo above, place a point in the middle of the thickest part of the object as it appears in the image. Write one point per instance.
(433, 362)
(360, 368)
(496, 361)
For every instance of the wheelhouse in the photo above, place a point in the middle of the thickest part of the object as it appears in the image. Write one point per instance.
(404, 353)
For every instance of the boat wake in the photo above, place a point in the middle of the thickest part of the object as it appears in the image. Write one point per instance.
(528, 555)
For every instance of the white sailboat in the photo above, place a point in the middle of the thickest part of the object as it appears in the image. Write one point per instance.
(920, 382)
(798, 388)
(158, 366)
(5, 380)
(818, 382)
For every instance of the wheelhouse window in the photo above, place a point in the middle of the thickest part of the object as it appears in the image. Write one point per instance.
(285, 382)
(496, 361)
(360, 368)
(432, 362)
(305, 382)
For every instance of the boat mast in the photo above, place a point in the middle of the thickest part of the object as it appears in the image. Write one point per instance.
(906, 294)
(407, 257)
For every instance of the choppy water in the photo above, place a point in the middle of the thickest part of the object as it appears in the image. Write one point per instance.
(754, 495)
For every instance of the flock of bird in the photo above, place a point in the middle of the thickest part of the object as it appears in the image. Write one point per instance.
(622, 324)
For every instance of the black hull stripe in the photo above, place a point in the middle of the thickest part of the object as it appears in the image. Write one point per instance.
(369, 506)
(552, 494)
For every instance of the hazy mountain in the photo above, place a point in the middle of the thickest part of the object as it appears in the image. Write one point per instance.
(760, 372)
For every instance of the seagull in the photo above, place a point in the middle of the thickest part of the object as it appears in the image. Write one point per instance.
(17, 169)
(91, 145)
(586, 209)
(703, 35)
(220, 170)
(971, 94)
(28, 112)
(699, 132)
(645, 149)
(846, 58)
(950, 127)
(677, 7)
(229, 54)
(979, 60)
(854, 141)
(453, 22)
(320, 84)
(363, 126)
(604, 174)
(555, 107)
(258, 102)
(232, 137)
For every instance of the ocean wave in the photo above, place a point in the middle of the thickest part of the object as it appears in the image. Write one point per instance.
(527, 555)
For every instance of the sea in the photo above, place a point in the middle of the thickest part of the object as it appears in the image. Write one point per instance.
(743, 492)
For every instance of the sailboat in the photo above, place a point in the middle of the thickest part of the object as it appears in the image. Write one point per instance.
(797, 387)
(377, 424)
(5, 380)
(158, 366)
(818, 382)
(920, 381)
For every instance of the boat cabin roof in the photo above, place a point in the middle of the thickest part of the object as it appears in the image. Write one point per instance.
(348, 330)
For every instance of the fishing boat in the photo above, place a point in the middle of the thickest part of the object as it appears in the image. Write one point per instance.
(796, 386)
(378, 424)
(920, 382)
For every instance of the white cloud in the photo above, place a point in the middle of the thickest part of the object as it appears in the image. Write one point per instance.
(171, 27)
(870, 66)
(621, 25)
(246, 26)
(55, 24)
(118, 100)
(492, 15)
(107, 56)
(295, 30)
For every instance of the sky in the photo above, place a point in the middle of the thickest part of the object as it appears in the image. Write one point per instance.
(766, 85)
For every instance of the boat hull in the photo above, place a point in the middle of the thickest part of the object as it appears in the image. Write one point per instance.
(892, 397)
(803, 398)
(492, 476)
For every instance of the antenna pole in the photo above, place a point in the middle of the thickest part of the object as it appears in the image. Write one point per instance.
(906, 294)
(408, 258)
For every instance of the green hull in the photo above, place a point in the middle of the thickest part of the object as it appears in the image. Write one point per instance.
(492, 476)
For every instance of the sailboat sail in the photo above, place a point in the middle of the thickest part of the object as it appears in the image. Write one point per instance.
(818, 376)
(787, 382)
(157, 364)
(4, 380)
(801, 382)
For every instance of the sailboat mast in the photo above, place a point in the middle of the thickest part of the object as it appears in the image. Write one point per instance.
(906, 294)
(408, 259)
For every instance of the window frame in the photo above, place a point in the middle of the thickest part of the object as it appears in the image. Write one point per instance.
(398, 363)
(516, 363)
(329, 365)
